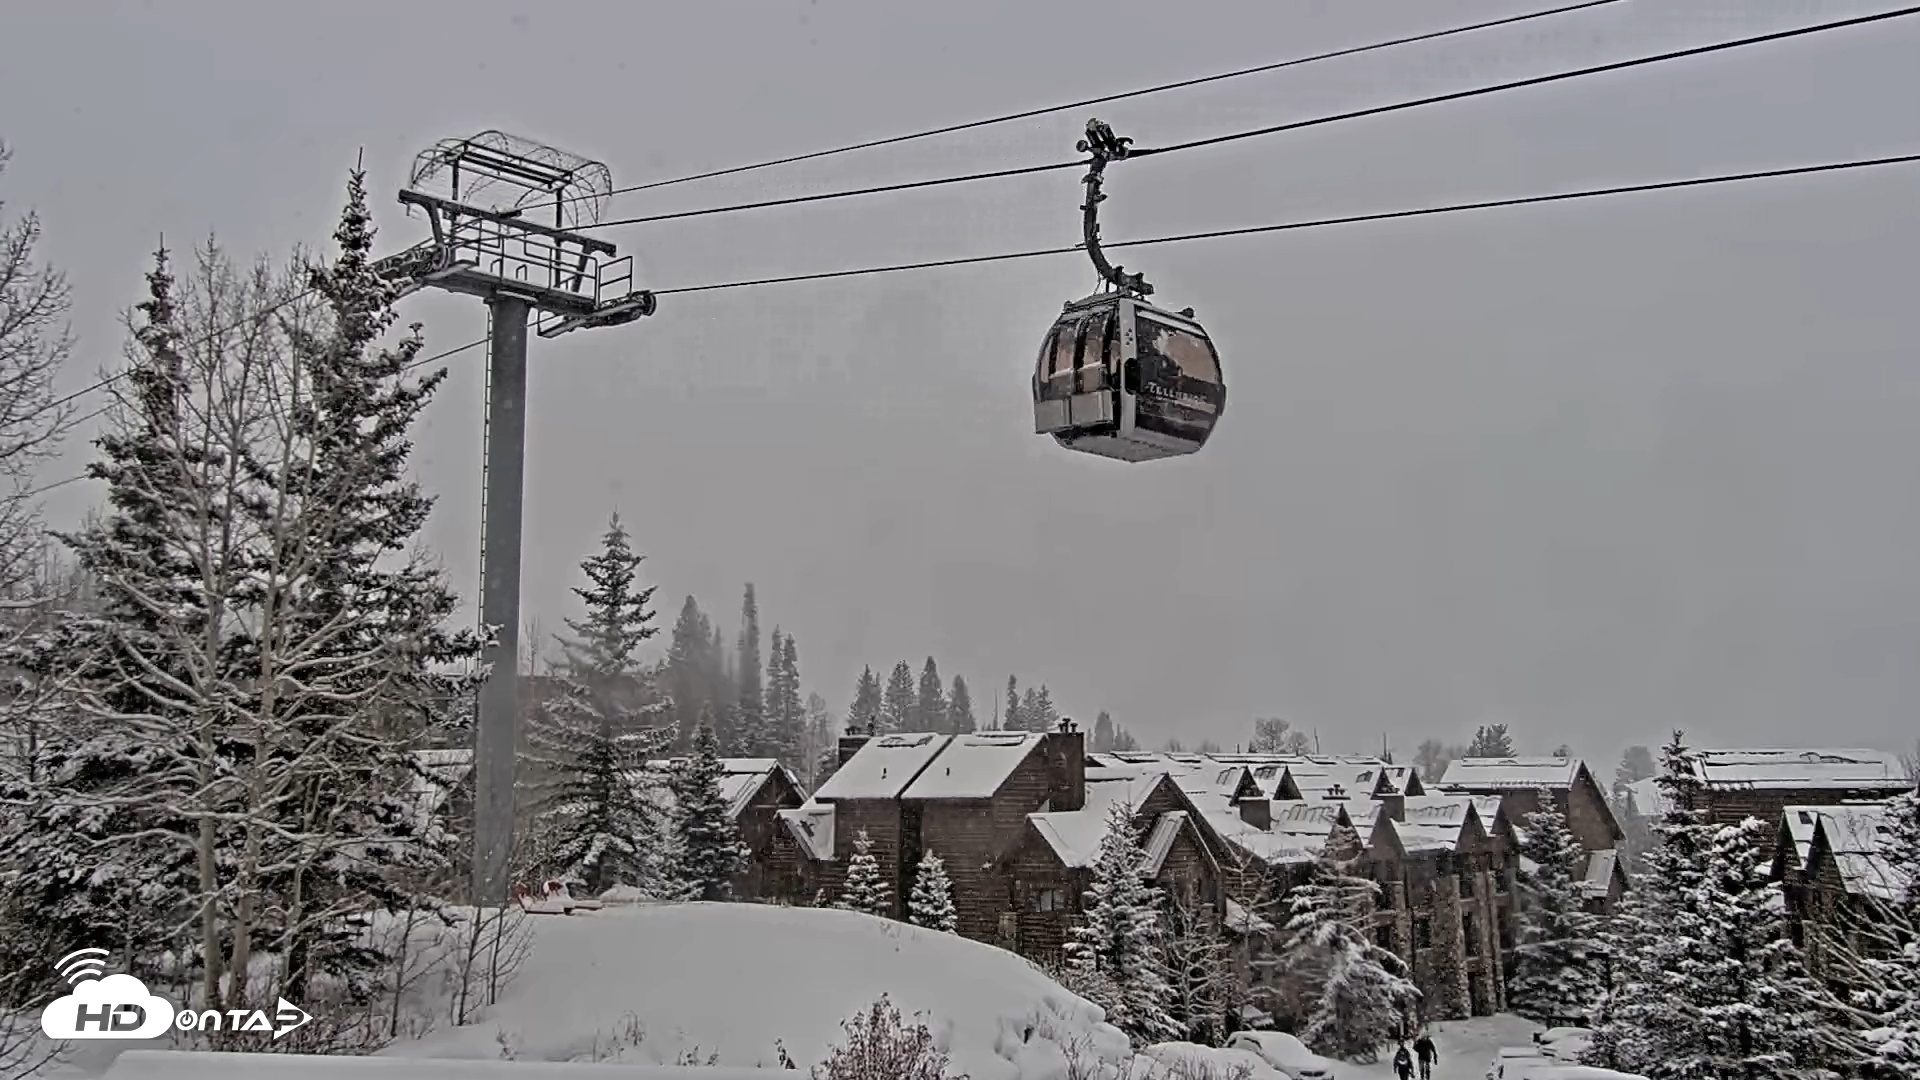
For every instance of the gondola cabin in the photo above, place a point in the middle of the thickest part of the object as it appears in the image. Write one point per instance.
(1120, 378)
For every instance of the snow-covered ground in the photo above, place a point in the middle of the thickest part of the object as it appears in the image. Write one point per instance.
(662, 984)
(1466, 1048)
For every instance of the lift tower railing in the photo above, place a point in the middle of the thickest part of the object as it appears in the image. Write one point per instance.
(487, 242)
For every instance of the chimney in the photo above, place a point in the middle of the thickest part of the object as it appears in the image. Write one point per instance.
(1257, 813)
(855, 738)
(1066, 754)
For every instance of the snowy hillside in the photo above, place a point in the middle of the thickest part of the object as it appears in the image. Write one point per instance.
(664, 984)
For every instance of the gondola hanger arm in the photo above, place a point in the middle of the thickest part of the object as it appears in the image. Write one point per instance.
(1104, 146)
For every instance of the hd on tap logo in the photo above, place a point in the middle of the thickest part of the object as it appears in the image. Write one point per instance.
(119, 1006)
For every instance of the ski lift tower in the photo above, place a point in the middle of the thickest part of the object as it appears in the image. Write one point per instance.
(495, 194)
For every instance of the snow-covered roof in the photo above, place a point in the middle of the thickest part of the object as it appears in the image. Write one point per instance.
(1600, 868)
(812, 827)
(1802, 822)
(973, 766)
(1433, 822)
(740, 779)
(1648, 798)
(1478, 775)
(1160, 840)
(882, 767)
(1242, 921)
(1858, 836)
(1074, 835)
(1489, 809)
(1801, 768)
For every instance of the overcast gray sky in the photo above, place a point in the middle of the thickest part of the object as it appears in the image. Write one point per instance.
(1597, 470)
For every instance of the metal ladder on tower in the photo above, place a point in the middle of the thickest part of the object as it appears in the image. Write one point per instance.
(486, 438)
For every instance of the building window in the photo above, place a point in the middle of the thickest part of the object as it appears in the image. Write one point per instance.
(1466, 880)
(1383, 936)
(1467, 935)
(1050, 900)
(1422, 933)
(1506, 932)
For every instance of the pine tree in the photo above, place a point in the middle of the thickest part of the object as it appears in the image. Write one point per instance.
(1752, 1010)
(1364, 994)
(930, 706)
(897, 704)
(822, 739)
(1643, 1020)
(1102, 732)
(81, 872)
(931, 902)
(786, 716)
(593, 741)
(706, 851)
(960, 719)
(749, 736)
(1114, 950)
(1556, 969)
(867, 705)
(688, 678)
(864, 889)
(1045, 716)
(1032, 718)
(1013, 721)
(1491, 741)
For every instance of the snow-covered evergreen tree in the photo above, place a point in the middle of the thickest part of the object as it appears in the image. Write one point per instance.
(1012, 720)
(1759, 1014)
(1556, 967)
(930, 702)
(786, 715)
(864, 889)
(960, 719)
(93, 857)
(1114, 951)
(1651, 1017)
(1491, 741)
(349, 642)
(897, 701)
(705, 846)
(867, 704)
(931, 902)
(592, 802)
(1365, 996)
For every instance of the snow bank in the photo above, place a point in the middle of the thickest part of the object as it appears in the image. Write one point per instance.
(720, 983)
(1192, 1061)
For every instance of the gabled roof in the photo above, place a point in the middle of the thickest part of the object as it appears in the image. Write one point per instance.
(1811, 769)
(1857, 837)
(1602, 868)
(972, 766)
(1159, 841)
(1486, 775)
(1433, 823)
(1074, 835)
(811, 826)
(740, 779)
(438, 772)
(1799, 823)
(882, 767)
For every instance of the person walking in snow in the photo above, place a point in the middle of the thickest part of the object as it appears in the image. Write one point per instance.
(1403, 1063)
(1424, 1049)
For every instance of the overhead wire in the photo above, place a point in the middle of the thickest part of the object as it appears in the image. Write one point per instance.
(1140, 152)
(1028, 114)
(1296, 125)
(1290, 226)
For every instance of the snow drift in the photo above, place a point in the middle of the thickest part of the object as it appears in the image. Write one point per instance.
(723, 983)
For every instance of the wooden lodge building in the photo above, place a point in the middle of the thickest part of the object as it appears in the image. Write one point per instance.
(1733, 785)
(1516, 783)
(1017, 818)
(1834, 872)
